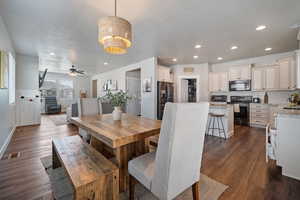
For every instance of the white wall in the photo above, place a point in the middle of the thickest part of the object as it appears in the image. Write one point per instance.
(275, 97)
(27, 72)
(201, 71)
(82, 83)
(7, 111)
(79, 82)
(148, 70)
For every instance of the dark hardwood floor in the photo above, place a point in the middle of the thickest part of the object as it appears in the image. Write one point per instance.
(238, 162)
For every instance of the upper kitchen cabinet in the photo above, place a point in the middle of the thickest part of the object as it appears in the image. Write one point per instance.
(287, 70)
(164, 74)
(258, 79)
(240, 73)
(218, 81)
(272, 77)
(279, 76)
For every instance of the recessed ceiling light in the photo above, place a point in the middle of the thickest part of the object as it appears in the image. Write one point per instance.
(52, 54)
(195, 57)
(220, 58)
(268, 49)
(234, 47)
(261, 27)
(105, 63)
(174, 59)
(198, 46)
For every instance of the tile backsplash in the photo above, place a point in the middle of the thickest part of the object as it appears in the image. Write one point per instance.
(275, 97)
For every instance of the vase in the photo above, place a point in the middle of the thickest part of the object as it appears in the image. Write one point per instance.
(117, 113)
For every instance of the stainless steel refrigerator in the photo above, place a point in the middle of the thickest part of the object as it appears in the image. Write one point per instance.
(165, 93)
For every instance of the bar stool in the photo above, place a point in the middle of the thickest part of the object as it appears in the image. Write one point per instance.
(216, 117)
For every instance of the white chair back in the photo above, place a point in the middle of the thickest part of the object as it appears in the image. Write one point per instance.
(89, 106)
(180, 147)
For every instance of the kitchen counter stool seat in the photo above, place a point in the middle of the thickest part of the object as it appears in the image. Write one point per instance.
(214, 117)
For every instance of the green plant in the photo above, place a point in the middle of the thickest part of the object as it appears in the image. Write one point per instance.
(116, 99)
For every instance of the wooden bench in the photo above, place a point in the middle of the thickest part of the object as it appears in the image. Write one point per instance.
(92, 175)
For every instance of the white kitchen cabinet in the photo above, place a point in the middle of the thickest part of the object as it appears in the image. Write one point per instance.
(218, 81)
(259, 114)
(223, 81)
(288, 143)
(213, 82)
(227, 120)
(287, 79)
(28, 107)
(258, 79)
(240, 73)
(272, 78)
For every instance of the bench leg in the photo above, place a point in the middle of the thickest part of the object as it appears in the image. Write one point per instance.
(115, 185)
(55, 160)
(132, 183)
(196, 191)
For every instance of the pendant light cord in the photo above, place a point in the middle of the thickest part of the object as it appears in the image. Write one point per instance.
(115, 7)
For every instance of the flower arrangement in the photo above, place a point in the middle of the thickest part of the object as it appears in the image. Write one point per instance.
(116, 99)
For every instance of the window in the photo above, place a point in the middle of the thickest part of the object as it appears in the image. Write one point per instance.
(11, 78)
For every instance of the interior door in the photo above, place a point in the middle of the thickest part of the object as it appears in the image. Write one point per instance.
(133, 86)
(184, 90)
(94, 88)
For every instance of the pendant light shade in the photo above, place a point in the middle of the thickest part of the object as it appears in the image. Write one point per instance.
(114, 33)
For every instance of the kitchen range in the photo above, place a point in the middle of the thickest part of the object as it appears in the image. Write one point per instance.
(241, 107)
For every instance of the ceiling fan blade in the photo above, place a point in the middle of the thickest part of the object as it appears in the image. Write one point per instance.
(80, 72)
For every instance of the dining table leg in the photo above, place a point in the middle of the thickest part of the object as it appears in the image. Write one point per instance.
(123, 155)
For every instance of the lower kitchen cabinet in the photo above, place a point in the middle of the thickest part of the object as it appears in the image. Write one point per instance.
(259, 115)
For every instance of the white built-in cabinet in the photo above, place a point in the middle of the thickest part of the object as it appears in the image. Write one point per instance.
(272, 77)
(287, 68)
(240, 73)
(164, 74)
(258, 81)
(279, 76)
(218, 81)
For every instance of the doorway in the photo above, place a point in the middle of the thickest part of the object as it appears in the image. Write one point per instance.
(133, 87)
(188, 89)
(94, 88)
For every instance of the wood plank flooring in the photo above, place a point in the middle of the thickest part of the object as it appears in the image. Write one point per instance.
(238, 162)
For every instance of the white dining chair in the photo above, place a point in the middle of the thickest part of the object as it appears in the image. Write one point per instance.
(88, 106)
(175, 166)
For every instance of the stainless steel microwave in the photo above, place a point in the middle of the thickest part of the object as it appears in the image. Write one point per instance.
(240, 85)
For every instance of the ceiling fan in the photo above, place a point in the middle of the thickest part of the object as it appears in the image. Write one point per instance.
(73, 71)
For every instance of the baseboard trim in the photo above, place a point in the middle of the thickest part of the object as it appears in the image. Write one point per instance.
(7, 141)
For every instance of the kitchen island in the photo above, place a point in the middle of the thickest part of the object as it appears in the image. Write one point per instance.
(228, 120)
(288, 142)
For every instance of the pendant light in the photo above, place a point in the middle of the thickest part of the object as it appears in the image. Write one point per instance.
(114, 33)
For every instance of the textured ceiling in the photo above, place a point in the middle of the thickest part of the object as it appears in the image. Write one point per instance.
(166, 29)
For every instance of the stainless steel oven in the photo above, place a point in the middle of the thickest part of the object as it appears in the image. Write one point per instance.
(240, 85)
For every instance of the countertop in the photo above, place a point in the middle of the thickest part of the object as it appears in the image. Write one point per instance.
(220, 105)
(282, 111)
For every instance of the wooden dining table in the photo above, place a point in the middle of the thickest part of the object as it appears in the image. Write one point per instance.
(126, 137)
